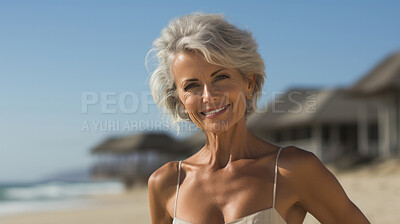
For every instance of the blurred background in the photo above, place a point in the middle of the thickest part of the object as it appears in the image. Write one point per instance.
(80, 132)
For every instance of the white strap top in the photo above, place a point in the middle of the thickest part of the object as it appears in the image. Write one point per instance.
(266, 216)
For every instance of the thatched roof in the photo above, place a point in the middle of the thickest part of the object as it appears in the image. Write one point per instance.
(298, 107)
(142, 141)
(385, 76)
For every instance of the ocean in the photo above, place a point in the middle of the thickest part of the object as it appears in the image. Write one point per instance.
(23, 198)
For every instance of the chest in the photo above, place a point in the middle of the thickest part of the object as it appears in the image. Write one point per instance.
(224, 198)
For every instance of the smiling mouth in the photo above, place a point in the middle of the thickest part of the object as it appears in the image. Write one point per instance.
(215, 111)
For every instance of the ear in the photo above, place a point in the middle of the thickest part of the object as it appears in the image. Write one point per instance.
(251, 83)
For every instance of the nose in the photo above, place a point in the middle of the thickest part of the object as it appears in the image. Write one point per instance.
(209, 95)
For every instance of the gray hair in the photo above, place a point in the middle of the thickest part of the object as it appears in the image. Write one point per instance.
(220, 42)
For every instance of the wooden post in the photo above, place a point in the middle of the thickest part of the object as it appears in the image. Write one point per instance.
(398, 123)
(383, 128)
(316, 137)
(362, 128)
(393, 128)
(337, 150)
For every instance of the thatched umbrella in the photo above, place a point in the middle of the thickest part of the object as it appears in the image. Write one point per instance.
(140, 142)
(141, 162)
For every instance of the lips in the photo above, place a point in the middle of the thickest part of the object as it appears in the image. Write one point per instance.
(214, 111)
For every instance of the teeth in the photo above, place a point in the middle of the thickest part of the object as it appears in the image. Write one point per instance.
(215, 111)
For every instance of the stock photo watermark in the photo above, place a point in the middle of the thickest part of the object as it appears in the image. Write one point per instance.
(134, 126)
(129, 102)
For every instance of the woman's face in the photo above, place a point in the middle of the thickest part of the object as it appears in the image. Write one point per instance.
(214, 97)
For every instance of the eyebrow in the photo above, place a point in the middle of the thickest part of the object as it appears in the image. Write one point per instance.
(212, 74)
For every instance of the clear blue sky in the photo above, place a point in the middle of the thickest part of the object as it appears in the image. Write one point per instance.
(51, 52)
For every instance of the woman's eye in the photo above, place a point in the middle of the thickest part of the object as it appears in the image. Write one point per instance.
(189, 86)
(219, 77)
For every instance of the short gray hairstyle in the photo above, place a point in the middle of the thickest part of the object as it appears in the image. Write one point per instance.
(218, 41)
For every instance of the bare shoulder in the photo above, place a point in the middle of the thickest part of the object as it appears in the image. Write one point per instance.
(164, 177)
(297, 164)
(292, 156)
(316, 188)
(162, 184)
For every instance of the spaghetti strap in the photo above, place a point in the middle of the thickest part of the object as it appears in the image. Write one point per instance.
(276, 174)
(177, 187)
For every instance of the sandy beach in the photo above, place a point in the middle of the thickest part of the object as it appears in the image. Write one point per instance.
(373, 188)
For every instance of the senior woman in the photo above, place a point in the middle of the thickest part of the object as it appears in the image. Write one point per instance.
(209, 72)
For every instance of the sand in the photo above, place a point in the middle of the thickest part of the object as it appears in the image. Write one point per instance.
(373, 188)
(130, 207)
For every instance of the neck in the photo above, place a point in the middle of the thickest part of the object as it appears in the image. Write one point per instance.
(227, 146)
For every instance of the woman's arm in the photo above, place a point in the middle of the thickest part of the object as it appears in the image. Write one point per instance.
(159, 186)
(320, 193)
